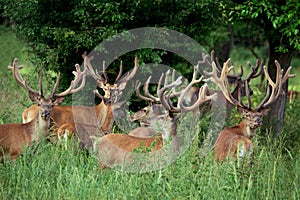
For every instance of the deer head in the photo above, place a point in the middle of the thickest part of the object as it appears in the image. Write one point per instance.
(46, 104)
(112, 92)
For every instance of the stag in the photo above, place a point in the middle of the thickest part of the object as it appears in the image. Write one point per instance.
(234, 79)
(59, 114)
(105, 109)
(236, 141)
(115, 148)
(14, 137)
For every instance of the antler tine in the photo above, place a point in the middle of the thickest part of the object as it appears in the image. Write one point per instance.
(19, 79)
(41, 84)
(104, 73)
(174, 92)
(166, 77)
(247, 95)
(55, 85)
(79, 76)
(120, 72)
(137, 91)
(288, 75)
(146, 89)
(164, 102)
(131, 74)
(96, 92)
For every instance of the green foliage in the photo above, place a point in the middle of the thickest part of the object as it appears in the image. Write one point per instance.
(279, 20)
(58, 32)
(12, 97)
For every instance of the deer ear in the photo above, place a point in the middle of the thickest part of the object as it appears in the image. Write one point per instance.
(58, 100)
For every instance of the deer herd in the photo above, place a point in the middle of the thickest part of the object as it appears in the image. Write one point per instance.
(159, 119)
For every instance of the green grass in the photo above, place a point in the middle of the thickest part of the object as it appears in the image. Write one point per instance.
(64, 172)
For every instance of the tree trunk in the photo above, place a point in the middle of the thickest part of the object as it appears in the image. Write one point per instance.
(273, 122)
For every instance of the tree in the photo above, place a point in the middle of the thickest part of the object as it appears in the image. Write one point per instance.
(279, 23)
(58, 32)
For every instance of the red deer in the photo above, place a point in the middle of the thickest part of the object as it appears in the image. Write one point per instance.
(62, 116)
(109, 105)
(118, 149)
(14, 137)
(236, 141)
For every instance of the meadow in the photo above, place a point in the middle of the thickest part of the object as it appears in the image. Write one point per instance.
(52, 171)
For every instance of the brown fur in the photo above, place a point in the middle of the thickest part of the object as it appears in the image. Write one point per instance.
(239, 136)
(63, 115)
(15, 137)
(229, 140)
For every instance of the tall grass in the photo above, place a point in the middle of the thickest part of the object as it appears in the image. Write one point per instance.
(55, 171)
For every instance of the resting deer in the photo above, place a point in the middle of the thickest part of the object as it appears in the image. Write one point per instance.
(14, 137)
(117, 149)
(103, 112)
(149, 114)
(236, 141)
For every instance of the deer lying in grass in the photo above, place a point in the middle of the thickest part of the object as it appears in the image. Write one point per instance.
(103, 116)
(236, 141)
(14, 137)
(149, 114)
(117, 149)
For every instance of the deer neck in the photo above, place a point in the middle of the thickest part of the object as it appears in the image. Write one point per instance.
(247, 131)
(166, 127)
(101, 112)
(41, 126)
(108, 120)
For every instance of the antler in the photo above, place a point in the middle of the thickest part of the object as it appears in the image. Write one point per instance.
(231, 77)
(202, 95)
(222, 82)
(149, 97)
(271, 96)
(276, 88)
(78, 76)
(17, 76)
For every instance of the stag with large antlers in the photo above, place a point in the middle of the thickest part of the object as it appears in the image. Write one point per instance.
(234, 79)
(30, 113)
(115, 148)
(104, 110)
(236, 141)
(14, 137)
